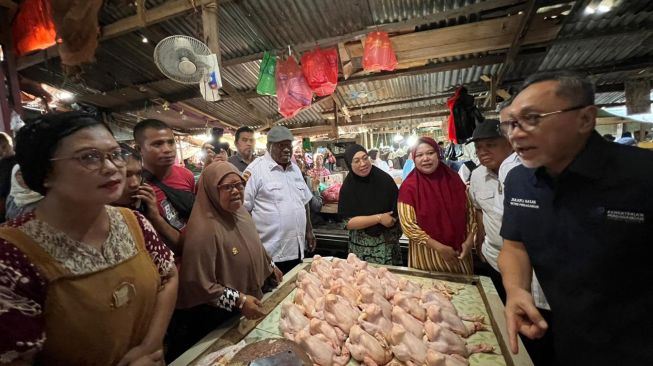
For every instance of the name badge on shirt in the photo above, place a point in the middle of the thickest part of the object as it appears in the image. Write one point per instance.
(626, 216)
(522, 202)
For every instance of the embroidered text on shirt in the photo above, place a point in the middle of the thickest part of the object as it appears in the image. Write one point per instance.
(626, 216)
(521, 202)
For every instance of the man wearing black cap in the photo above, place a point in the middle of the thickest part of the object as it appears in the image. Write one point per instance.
(486, 193)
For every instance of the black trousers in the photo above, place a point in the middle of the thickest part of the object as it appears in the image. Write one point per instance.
(189, 326)
(287, 266)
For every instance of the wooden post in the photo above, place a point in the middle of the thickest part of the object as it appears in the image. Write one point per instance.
(334, 122)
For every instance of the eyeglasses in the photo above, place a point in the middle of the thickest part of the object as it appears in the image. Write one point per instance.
(360, 160)
(228, 187)
(94, 159)
(530, 121)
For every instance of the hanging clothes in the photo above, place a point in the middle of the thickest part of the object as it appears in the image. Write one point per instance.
(463, 117)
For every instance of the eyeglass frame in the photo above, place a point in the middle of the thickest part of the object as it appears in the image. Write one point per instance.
(222, 187)
(360, 160)
(512, 124)
(104, 156)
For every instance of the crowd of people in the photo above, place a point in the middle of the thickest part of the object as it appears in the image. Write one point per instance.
(112, 254)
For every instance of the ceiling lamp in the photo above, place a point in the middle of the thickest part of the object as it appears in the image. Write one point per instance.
(398, 137)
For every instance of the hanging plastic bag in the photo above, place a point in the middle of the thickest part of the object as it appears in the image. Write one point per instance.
(33, 28)
(378, 53)
(320, 69)
(266, 84)
(293, 93)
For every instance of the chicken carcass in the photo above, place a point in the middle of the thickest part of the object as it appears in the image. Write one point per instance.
(321, 267)
(341, 269)
(435, 297)
(388, 281)
(303, 275)
(347, 291)
(407, 347)
(334, 334)
(435, 358)
(452, 321)
(355, 262)
(292, 320)
(407, 321)
(339, 312)
(313, 308)
(363, 279)
(320, 350)
(409, 286)
(445, 341)
(314, 291)
(411, 303)
(373, 320)
(368, 296)
(371, 350)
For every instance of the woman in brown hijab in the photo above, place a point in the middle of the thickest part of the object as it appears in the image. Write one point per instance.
(224, 265)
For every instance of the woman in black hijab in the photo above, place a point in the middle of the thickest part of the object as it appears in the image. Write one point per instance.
(368, 202)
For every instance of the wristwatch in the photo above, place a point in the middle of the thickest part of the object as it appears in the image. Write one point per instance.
(244, 297)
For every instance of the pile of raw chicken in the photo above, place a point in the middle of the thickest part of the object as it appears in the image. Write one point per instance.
(345, 308)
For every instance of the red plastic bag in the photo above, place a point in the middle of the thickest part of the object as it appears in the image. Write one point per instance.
(33, 28)
(332, 194)
(320, 69)
(378, 53)
(293, 93)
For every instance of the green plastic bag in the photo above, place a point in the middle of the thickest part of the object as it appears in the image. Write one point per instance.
(266, 84)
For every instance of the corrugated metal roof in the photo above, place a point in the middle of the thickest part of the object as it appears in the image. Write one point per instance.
(414, 86)
(595, 51)
(390, 11)
(610, 98)
(227, 110)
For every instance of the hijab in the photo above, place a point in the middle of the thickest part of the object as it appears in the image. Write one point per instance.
(363, 196)
(22, 196)
(439, 200)
(221, 248)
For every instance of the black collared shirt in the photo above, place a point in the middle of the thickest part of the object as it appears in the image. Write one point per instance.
(238, 162)
(589, 236)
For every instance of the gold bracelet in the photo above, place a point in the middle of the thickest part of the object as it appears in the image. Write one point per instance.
(378, 219)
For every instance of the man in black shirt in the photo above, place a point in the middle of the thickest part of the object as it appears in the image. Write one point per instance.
(7, 162)
(578, 213)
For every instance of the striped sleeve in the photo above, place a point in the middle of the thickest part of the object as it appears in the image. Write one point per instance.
(409, 225)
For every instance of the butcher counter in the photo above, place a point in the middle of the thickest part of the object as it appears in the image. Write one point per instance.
(241, 329)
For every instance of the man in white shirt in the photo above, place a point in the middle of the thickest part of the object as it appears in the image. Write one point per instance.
(277, 197)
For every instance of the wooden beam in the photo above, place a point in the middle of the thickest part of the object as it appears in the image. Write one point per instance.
(211, 32)
(211, 117)
(389, 27)
(517, 41)
(163, 12)
(477, 37)
(428, 69)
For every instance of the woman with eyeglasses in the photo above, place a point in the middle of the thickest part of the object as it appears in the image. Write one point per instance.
(368, 203)
(224, 265)
(436, 214)
(82, 282)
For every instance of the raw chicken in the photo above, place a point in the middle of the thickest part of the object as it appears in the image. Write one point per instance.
(368, 296)
(347, 291)
(314, 291)
(407, 321)
(363, 279)
(445, 341)
(371, 350)
(320, 350)
(292, 320)
(409, 286)
(435, 297)
(434, 358)
(313, 308)
(388, 281)
(452, 321)
(321, 267)
(342, 269)
(339, 312)
(354, 261)
(411, 303)
(407, 347)
(374, 321)
(334, 334)
(308, 276)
